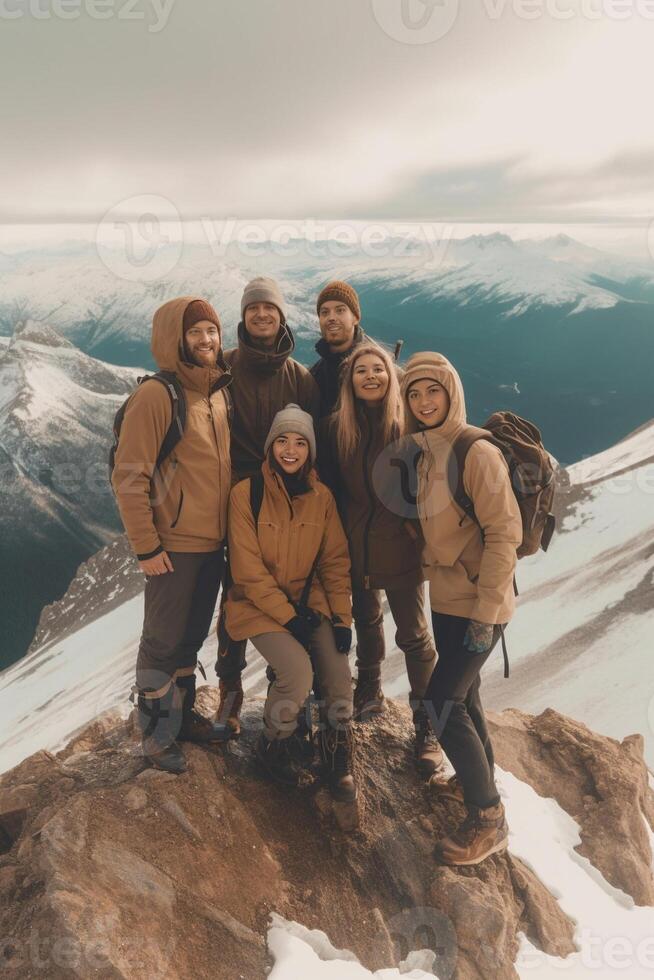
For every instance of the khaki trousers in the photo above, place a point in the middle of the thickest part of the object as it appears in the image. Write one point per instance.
(293, 669)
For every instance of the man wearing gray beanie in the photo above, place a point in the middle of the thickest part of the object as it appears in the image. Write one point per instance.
(265, 379)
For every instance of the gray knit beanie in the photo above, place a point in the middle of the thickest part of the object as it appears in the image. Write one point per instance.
(263, 290)
(292, 419)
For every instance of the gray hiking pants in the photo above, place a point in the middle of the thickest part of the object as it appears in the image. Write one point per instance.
(178, 610)
(294, 676)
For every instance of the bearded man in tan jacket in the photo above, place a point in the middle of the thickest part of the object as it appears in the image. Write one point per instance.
(175, 516)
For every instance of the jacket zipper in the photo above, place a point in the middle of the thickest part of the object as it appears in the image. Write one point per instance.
(366, 547)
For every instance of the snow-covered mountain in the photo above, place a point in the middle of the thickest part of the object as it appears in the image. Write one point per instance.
(580, 641)
(523, 320)
(56, 411)
(78, 287)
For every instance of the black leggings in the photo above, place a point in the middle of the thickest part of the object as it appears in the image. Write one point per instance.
(454, 706)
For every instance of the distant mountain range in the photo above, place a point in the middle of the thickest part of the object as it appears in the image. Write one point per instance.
(555, 330)
(56, 411)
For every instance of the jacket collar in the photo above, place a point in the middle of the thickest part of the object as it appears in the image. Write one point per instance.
(265, 362)
(323, 349)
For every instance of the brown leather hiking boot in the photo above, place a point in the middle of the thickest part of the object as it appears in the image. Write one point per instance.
(231, 702)
(447, 789)
(337, 754)
(482, 833)
(428, 752)
(368, 695)
(197, 728)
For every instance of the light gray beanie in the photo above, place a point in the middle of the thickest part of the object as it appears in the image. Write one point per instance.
(292, 419)
(263, 290)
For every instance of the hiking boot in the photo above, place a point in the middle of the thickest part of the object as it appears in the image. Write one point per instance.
(231, 702)
(447, 789)
(337, 754)
(195, 727)
(482, 833)
(169, 758)
(428, 752)
(368, 695)
(278, 759)
(158, 720)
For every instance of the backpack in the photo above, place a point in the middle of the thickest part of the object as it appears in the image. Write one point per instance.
(530, 468)
(177, 423)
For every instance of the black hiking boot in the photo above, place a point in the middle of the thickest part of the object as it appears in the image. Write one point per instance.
(159, 720)
(368, 695)
(279, 759)
(337, 754)
(194, 726)
(428, 752)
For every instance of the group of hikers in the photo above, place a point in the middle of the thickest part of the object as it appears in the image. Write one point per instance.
(242, 468)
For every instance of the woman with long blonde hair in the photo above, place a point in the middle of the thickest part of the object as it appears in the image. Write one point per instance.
(358, 447)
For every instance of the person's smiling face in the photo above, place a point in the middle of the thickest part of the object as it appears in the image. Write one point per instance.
(337, 325)
(290, 451)
(262, 322)
(202, 343)
(370, 378)
(429, 402)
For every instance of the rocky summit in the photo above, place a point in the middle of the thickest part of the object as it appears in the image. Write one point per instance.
(112, 870)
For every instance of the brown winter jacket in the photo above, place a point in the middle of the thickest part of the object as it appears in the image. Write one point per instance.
(182, 507)
(270, 564)
(385, 548)
(469, 576)
(263, 384)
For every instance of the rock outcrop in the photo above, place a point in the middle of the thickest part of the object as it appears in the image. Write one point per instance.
(113, 870)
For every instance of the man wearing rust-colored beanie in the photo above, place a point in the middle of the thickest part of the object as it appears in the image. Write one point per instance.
(174, 510)
(339, 314)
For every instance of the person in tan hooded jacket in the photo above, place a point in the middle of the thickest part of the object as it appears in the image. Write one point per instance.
(470, 567)
(298, 537)
(175, 517)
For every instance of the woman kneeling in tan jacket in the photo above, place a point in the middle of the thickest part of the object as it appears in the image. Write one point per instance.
(470, 567)
(298, 530)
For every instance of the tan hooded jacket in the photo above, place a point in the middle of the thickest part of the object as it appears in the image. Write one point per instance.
(469, 576)
(270, 563)
(183, 506)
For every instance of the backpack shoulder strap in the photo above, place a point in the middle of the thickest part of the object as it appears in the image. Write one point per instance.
(173, 386)
(456, 465)
(256, 495)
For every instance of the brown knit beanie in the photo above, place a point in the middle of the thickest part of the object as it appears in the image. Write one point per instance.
(197, 311)
(263, 290)
(343, 293)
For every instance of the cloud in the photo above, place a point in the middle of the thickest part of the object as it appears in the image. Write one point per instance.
(271, 108)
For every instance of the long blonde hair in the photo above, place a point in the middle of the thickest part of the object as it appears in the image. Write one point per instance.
(344, 419)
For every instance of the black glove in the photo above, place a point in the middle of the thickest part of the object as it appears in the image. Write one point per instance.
(301, 629)
(342, 635)
(343, 638)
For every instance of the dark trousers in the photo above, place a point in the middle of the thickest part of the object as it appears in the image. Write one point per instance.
(411, 631)
(455, 709)
(178, 610)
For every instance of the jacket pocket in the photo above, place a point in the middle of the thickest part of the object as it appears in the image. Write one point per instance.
(179, 508)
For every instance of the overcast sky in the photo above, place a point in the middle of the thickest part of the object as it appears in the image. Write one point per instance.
(329, 108)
